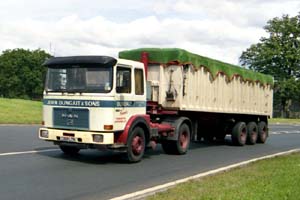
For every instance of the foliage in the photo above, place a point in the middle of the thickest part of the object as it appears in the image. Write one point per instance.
(279, 55)
(22, 74)
(286, 91)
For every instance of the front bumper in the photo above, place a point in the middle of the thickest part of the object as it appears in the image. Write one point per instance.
(81, 137)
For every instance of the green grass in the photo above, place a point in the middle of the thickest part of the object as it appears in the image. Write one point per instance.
(276, 178)
(284, 121)
(17, 111)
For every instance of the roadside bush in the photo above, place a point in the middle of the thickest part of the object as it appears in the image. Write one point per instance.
(22, 74)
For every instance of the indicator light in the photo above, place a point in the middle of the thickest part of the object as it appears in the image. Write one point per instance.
(108, 127)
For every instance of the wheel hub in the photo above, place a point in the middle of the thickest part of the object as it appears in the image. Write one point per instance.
(243, 134)
(184, 140)
(137, 145)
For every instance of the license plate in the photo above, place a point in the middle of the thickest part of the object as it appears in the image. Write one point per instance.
(67, 139)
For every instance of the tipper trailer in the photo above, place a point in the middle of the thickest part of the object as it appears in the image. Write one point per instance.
(149, 96)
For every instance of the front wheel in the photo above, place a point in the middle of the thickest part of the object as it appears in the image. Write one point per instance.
(136, 145)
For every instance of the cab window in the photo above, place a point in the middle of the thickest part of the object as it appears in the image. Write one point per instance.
(139, 81)
(123, 80)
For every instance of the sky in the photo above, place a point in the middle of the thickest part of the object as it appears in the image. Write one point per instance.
(220, 29)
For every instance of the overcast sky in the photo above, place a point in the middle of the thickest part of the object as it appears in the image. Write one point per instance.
(220, 29)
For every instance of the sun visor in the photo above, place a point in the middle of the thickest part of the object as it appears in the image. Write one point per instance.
(96, 61)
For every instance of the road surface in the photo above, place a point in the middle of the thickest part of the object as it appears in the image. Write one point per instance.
(34, 169)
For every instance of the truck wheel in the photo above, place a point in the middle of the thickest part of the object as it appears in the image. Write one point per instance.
(252, 133)
(181, 145)
(239, 134)
(183, 141)
(69, 150)
(136, 145)
(262, 132)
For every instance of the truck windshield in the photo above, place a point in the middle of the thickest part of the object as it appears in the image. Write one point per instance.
(79, 79)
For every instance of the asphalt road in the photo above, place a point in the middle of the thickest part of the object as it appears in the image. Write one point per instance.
(46, 173)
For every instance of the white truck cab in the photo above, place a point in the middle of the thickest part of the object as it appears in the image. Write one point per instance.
(89, 99)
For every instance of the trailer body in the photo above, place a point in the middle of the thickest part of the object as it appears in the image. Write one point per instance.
(149, 96)
(195, 90)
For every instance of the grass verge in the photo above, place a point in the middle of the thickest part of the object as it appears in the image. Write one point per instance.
(276, 178)
(17, 111)
(284, 121)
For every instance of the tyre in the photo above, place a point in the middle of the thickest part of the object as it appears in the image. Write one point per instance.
(181, 145)
(69, 150)
(239, 134)
(183, 141)
(262, 132)
(136, 145)
(252, 133)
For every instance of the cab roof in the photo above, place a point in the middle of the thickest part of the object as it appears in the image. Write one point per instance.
(99, 61)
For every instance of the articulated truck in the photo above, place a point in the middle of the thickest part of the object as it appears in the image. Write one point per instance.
(152, 96)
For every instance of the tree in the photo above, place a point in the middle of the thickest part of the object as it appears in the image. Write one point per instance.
(279, 55)
(285, 92)
(22, 74)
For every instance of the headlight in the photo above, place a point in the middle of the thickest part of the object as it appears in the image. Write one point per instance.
(97, 138)
(44, 133)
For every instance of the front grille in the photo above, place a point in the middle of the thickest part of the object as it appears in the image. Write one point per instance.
(71, 118)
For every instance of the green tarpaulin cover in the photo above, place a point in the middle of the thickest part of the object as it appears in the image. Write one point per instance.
(167, 56)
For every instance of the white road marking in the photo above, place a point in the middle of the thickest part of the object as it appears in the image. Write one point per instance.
(150, 191)
(284, 132)
(27, 152)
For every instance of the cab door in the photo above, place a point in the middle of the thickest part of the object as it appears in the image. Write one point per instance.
(130, 94)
